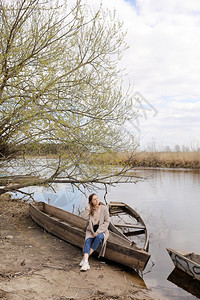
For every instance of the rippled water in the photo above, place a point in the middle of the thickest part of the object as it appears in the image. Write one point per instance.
(169, 203)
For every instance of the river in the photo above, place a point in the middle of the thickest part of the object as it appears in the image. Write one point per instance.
(169, 203)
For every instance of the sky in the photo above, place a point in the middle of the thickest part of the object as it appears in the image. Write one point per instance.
(163, 67)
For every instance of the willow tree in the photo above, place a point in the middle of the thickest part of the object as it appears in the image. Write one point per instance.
(60, 84)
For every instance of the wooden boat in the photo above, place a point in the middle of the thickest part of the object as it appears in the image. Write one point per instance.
(71, 228)
(185, 282)
(187, 262)
(129, 223)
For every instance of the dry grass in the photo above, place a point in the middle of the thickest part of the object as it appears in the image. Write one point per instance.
(167, 159)
(150, 159)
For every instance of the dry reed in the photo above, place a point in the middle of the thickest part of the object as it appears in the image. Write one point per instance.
(167, 159)
(151, 159)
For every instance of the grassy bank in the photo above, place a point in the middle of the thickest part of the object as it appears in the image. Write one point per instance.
(189, 160)
(166, 159)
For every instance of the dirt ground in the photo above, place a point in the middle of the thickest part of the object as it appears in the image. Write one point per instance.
(36, 265)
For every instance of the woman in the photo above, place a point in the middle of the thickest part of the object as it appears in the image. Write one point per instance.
(96, 231)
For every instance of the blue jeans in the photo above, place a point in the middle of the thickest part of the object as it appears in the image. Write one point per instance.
(93, 243)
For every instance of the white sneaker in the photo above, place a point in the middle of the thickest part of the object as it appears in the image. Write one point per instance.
(85, 266)
(81, 263)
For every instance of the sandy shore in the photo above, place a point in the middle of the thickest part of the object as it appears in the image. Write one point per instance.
(36, 265)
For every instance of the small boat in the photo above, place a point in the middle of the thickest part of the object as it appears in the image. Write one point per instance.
(71, 228)
(185, 282)
(188, 262)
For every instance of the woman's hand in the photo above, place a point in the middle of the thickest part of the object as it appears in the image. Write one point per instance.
(95, 234)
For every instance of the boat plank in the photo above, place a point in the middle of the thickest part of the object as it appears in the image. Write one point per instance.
(65, 216)
(130, 225)
(61, 230)
(117, 204)
(134, 233)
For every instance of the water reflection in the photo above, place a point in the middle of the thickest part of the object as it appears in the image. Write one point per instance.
(185, 282)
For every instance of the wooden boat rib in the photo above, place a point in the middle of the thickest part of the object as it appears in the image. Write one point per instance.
(71, 228)
(131, 220)
(188, 262)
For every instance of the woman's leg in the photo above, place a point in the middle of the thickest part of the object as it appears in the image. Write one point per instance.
(86, 249)
(86, 252)
(96, 242)
(90, 245)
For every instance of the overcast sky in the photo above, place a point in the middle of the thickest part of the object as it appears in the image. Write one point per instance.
(163, 64)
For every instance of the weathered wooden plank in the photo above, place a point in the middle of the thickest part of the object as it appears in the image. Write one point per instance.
(65, 216)
(118, 213)
(117, 204)
(127, 256)
(60, 229)
(134, 233)
(115, 230)
(130, 225)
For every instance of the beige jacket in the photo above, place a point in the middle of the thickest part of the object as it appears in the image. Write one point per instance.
(104, 221)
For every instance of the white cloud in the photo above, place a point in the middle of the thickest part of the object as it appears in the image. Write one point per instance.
(163, 63)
